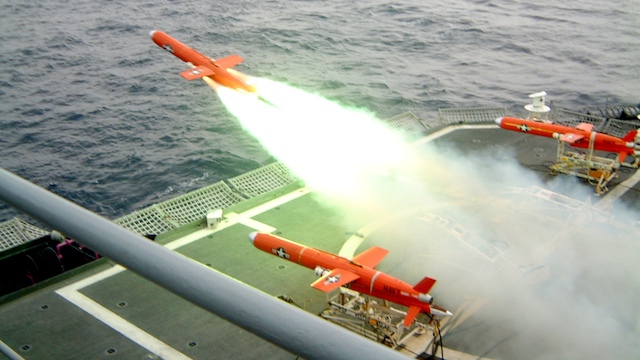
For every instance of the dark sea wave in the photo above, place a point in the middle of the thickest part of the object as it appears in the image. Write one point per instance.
(93, 110)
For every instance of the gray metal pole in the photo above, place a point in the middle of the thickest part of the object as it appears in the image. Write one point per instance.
(8, 352)
(284, 325)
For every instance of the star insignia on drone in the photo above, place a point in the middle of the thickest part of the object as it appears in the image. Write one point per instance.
(168, 48)
(332, 279)
(524, 128)
(281, 252)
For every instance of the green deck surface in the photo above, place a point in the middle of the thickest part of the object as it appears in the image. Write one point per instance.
(42, 325)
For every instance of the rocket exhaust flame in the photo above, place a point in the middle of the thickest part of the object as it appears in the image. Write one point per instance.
(314, 137)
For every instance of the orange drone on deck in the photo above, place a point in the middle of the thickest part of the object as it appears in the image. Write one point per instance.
(581, 136)
(358, 273)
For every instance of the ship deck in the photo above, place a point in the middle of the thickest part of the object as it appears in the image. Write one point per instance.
(101, 310)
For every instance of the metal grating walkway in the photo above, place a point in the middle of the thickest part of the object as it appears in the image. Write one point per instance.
(196, 204)
(263, 180)
(570, 118)
(146, 221)
(162, 217)
(614, 127)
(16, 232)
(473, 115)
(407, 123)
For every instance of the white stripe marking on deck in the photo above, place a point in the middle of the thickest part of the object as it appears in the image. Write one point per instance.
(71, 292)
(607, 201)
(114, 321)
(450, 129)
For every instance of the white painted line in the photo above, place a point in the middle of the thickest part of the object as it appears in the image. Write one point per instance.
(450, 129)
(194, 236)
(119, 324)
(248, 222)
(607, 201)
(257, 225)
(243, 218)
(134, 333)
(276, 202)
(350, 246)
(94, 278)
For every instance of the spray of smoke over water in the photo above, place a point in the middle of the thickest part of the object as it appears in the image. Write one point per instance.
(563, 284)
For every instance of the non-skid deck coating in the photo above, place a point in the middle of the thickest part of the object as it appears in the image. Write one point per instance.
(107, 312)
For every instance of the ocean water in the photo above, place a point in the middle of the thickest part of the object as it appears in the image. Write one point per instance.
(93, 110)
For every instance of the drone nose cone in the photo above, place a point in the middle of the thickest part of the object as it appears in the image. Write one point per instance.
(498, 121)
(252, 236)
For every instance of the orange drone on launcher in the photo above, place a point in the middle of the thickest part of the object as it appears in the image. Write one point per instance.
(581, 136)
(217, 70)
(359, 274)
